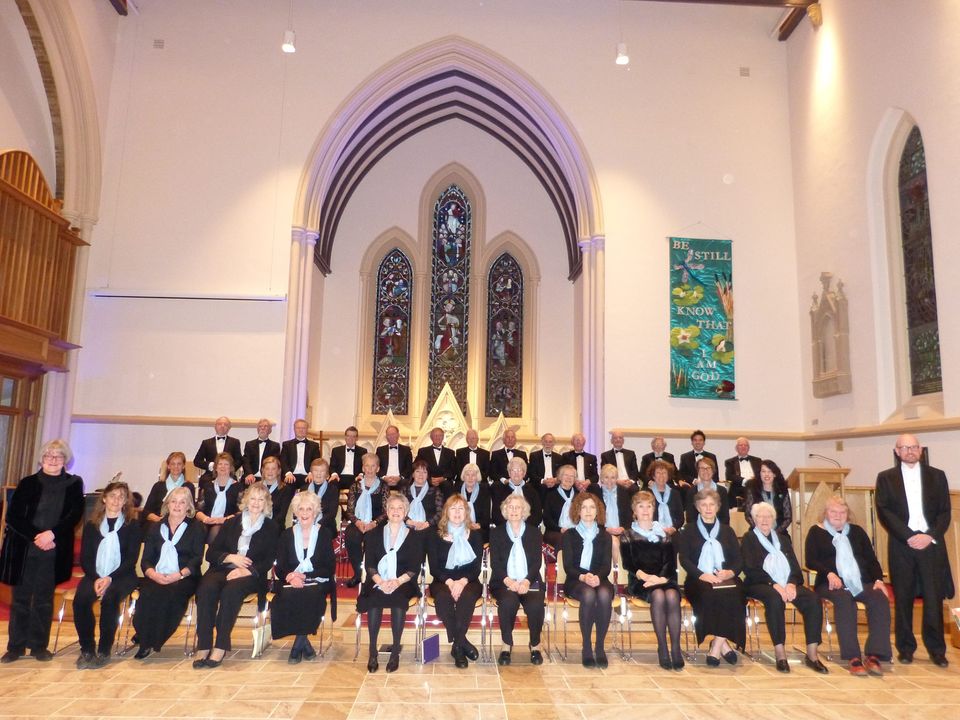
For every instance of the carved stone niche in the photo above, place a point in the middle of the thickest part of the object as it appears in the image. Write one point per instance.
(830, 328)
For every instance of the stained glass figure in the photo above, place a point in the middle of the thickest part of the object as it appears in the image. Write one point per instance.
(504, 381)
(391, 365)
(923, 334)
(449, 304)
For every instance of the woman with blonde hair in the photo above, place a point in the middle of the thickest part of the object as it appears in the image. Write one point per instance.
(174, 477)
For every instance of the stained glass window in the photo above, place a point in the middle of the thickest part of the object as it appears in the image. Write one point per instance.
(923, 335)
(391, 366)
(449, 304)
(504, 391)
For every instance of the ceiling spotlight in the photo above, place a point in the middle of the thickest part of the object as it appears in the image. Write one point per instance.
(622, 57)
(289, 41)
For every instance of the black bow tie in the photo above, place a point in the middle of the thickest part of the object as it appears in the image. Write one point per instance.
(438, 448)
(349, 449)
(547, 454)
(393, 447)
(578, 454)
(221, 438)
(301, 442)
(262, 442)
(657, 457)
(743, 459)
(617, 451)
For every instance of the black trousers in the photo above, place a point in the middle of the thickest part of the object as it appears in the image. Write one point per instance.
(160, 610)
(110, 603)
(31, 609)
(509, 602)
(775, 610)
(913, 573)
(845, 620)
(456, 614)
(218, 604)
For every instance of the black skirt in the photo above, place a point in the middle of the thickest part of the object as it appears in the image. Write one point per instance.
(298, 611)
(399, 598)
(719, 611)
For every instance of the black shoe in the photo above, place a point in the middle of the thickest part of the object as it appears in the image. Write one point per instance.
(815, 665)
(678, 663)
(394, 662)
(143, 652)
(536, 657)
(43, 655)
(101, 660)
(200, 664)
(296, 655)
(460, 658)
(713, 661)
(503, 658)
(85, 660)
(905, 657)
(211, 663)
(602, 660)
(589, 661)
(939, 659)
(373, 664)
(352, 582)
(470, 651)
(731, 657)
(783, 666)
(308, 653)
(11, 656)
(664, 661)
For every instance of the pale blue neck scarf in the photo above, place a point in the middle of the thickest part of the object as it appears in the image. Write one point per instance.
(249, 529)
(220, 504)
(655, 533)
(417, 513)
(471, 498)
(364, 509)
(517, 560)
(711, 555)
(173, 484)
(108, 553)
(461, 553)
(387, 567)
(305, 558)
(169, 561)
(613, 509)
(588, 534)
(775, 564)
(663, 508)
(847, 566)
(319, 489)
(565, 522)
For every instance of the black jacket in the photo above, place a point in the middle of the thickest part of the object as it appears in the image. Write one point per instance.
(609, 457)
(129, 536)
(251, 455)
(500, 547)
(189, 548)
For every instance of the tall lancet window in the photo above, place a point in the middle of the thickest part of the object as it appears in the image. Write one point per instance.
(923, 335)
(504, 381)
(449, 304)
(391, 366)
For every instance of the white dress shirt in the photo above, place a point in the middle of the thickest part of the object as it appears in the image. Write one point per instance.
(914, 489)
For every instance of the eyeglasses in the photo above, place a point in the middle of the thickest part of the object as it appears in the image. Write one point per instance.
(53, 458)
(909, 447)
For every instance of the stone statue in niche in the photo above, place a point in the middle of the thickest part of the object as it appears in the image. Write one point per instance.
(829, 326)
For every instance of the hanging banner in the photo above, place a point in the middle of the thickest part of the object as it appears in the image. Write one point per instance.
(701, 319)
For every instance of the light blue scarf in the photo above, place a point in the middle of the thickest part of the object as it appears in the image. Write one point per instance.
(220, 504)
(613, 509)
(319, 489)
(517, 560)
(565, 522)
(305, 558)
(471, 498)
(461, 553)
(588, 534)
(173, 484)
(663, 508)
(847, 566)
(417, 513)
(249, 529)
(364, 508)
(108, 553)
(775, 564)
(516, 489)
(655, 533)
(169, 561)
(711, 556)
(387, 567)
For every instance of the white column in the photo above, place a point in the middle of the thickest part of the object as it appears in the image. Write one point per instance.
(592, 350)
(294, 402)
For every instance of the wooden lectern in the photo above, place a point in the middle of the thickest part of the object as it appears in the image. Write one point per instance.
(809, 490)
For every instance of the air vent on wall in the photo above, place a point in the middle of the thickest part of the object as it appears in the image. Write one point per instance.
(158, 44)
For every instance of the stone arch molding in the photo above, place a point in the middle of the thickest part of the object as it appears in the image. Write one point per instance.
(450, 78)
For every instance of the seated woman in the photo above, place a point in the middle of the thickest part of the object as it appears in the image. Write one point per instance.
(587, 558)
(108, 556)
(319, 485)
(650, 560)
(172, 551)
(773, 576)
(668, 496)
(515, 562)
(557, 502)
(240, 561)
(281, 493)
(706, 469)
(364, 513)
(393, 559)
(176, 462)
(455, 553)
(771, 488)
(305, 568)
(710, 553)
(218, 496)
(847, 572)
(426, 501)
(517, 484)
(616, 502)
(477, 494)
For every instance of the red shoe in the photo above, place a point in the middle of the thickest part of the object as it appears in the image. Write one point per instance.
(857, 668)
(873, 665)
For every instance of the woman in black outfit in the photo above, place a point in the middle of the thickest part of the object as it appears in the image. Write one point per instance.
(455, 553)
(240, 561)
(557, 502)
(393, 557)
(587, 556)
(172, 551)
(108, 556)
(37, 550)
(710, 553)
(773, 576)
(515, 562)
(650, 559)
(476, 492)
(305, 570)
(318, 484)
(176, 462)
(667, 496)
(770, 487)
(219, 496)
(425, 500)
(706, 469)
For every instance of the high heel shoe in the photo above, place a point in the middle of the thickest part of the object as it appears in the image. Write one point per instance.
(394, 662)
(373, 664)
(664, 661)
(602, 662)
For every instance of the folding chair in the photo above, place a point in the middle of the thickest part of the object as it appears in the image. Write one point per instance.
(565, 604)
(489, 611)
(416, 603)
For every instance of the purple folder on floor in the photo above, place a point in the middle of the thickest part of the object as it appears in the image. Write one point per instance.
(431, 647)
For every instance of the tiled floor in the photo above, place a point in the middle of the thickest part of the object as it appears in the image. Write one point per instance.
(336, 687)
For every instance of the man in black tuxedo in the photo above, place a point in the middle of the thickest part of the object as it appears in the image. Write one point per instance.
(628, 474)
(689, 460)
(500, 458)
(740, 469)
(544, 463)
(659, 446)
(584, 462)
(297, 454)
(396, 460)
(255, 451)
(221, 442)
(346, 461)
(913, 505)
(473, 453)
(441, 461)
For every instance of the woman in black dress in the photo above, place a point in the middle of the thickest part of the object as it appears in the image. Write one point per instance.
(172, 551)
(772, 575)
(587, 558)
(318, 484)
(394, 555)
(176, 462)
(455, 554)
(770, 487)
(557, 502)
(476, 492)
(240, 561)
(218, 496)
(650, 559)
(364, 512)
(706, 470)
(305, 569)
(516, 558)
(666, 494)
(426, 501)
(710, 553)
(108, 556)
